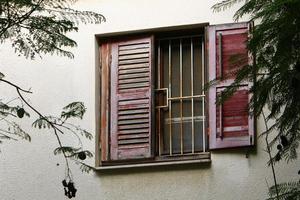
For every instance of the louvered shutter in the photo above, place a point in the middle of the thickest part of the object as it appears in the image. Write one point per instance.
(229, 124)
(131, 99)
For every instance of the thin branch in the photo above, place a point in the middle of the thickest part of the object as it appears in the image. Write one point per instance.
(270, 155)
(7, 136)
(72, 131)
(55, 129)
(14, 85)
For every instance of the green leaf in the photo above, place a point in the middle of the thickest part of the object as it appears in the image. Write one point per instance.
(41, 123)
(84, 167)
(66, 149)
(73, 110)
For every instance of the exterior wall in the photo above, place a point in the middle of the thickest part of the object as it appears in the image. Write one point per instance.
(30, 171)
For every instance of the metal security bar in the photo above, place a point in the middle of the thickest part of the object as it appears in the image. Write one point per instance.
(181, 130)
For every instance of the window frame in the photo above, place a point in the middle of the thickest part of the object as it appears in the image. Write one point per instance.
(103, 85)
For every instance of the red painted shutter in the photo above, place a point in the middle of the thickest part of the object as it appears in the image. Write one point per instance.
(229, 124)
(131, 99)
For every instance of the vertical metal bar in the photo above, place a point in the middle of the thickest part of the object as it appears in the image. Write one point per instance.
(181, 106)
(159, 86)
(203, 98)
(170, 95)
(159, 66)
(192, 94)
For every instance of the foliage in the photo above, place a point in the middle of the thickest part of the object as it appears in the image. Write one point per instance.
(275, 45)
(36, 27)
(40, 26)
(290, 191)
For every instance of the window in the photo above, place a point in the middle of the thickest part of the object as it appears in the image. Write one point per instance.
(153, 104)
(179, 105)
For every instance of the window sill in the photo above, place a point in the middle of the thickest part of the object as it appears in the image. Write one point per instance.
(163, 161)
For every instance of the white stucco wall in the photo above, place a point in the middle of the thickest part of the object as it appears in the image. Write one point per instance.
(29, 171)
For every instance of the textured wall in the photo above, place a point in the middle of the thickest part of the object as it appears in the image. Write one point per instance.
(30, 171)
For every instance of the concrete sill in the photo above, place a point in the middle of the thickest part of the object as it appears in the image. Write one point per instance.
(205, 158)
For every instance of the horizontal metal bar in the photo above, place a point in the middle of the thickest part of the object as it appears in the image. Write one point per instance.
(185, 119)
(180, 37)
(186, 97)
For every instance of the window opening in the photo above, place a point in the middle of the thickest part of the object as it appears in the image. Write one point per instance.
(179, 96)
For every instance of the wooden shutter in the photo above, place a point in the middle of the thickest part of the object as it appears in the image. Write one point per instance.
(131, 99)
(229, 124)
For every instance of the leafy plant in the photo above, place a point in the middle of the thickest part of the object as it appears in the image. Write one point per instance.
(36, 27)
(275, 45)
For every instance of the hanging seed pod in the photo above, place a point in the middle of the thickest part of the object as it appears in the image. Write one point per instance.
(284, 141)
(69, 195)
(20, 112)
(279, 147)
(64, 182)
(278, 157)
(74, 193)
(82, 155)
(71, 186)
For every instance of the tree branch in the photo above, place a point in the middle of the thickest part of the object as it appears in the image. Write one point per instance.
(270, 155)
(14, 85)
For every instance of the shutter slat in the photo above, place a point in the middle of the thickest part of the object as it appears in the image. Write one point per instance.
(143, 45)
(133, 107)
(143, 135)
(130, 112)
(133, 131)
(130, 76)
(133, 66)
(230, 124)
(133, 116)
(134, 56)
(134, 71)
(135, 150)
(136, 80)
(131, 100)
(134, 141)
(134, 101)
(133, 51)
(133, 121)
(134, 61)
(133, 126)
(134, 85)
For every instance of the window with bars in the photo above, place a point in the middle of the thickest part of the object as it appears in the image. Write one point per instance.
(180, 98)
(153, 104)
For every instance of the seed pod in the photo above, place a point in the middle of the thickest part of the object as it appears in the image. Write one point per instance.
(71, 186)
(74, 193)
(284, 141)
(279, 147)
(82, 155)
(20, 112)
(277, 157)
(69, 195)
(64, 182)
